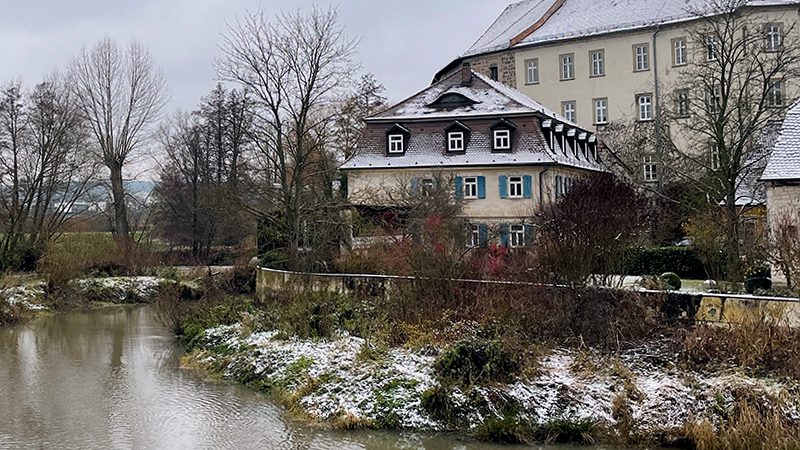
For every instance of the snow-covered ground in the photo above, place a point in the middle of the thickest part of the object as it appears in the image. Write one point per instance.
(332, 380)
(31, 293)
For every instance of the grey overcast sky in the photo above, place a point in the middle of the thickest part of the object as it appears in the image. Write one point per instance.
(402, 42)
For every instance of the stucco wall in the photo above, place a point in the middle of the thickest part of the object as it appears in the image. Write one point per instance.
(783, 198)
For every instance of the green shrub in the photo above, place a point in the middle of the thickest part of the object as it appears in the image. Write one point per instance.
(474, 361)
(275, 259)
(671, 281)
(227, 312)
(757, 277)
(680, 260)
(504, 430)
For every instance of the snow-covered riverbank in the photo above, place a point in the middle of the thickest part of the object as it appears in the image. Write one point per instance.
(341, 378)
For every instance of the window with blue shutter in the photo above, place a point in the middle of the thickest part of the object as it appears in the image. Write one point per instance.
(503, 186)
(528, 235)
(415, 186)
(481, 187)
(459, 187)
(558, 186)
(504, 234)
(483, 235)
(526, 186)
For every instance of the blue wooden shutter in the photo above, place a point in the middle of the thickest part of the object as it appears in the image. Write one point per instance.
(459, 187)
(481, 187)
(503, 186)
(483, 235)
(528, 235)
(526, 186)
(415, 186)
(504, 234)
(558, 186)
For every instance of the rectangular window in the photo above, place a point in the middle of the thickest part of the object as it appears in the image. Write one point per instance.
(711, 47)
(641, 57)
(428, 186)
(682, 102)
(650, 169)
(679, 52)
(517, 235)
(598, 65)
(567, 67)
(515, 187)
(532, 71)
(714, 157)
(455, 141)
(645, 103)
(773, 37)
(775, 94)
(493, 73)
(474, 235)
(714, 100)
(396, 143)
(568, 109)
(502, 139)
(470, 187)
(600, 111)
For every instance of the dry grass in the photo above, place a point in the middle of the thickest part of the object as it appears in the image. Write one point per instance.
(752, 424)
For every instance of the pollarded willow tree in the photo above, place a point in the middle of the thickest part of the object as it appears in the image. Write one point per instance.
(121, 94)
(294, 68)
(741, 78)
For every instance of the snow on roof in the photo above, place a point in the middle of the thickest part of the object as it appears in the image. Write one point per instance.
(784, 164)
(580, 18)
(490, 97)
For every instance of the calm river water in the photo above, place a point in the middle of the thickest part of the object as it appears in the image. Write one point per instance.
(109, 379)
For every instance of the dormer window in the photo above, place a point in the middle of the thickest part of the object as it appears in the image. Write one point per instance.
(397, 140)
(396, 143)
(456, 136)
(451, 100)
(455, 141)
(502, 139)
(502, 134)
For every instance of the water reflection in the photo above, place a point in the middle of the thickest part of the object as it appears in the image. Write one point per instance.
(109, 379)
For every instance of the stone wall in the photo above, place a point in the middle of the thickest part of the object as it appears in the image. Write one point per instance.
(505, 63)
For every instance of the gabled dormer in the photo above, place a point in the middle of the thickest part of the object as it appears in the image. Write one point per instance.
(502, 136)
(456, 138)
(451, 100)
(397, 137)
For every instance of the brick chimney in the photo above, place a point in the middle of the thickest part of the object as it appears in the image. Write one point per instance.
(466, 74)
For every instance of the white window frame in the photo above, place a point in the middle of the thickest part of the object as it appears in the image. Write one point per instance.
(455, 141)
(515, 187)
(567, 66)
(470, 187)
(714, 157)
(679, 52)
(516, 235)
(502, 139)
(715, 100)
(428, 186)
(474, 239)
(773, 37)
(775, 94)
(568, 110)
(712, 47)
(645, 105)
(597, 59)
(532, 71)
(650, 168)
(641, 54)
(396, 144)
(600, 111)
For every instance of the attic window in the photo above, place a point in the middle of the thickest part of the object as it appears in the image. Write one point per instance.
(397, 140)
(451, 100)
(502, 131)
(456, 137)
(396, 143)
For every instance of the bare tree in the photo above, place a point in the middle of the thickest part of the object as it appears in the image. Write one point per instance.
(294, 68)
(45, 165)
(120, 93)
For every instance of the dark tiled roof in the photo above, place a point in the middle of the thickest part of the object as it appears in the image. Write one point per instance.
(784, 163)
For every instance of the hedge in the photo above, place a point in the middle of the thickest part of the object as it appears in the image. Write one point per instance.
(656, 260)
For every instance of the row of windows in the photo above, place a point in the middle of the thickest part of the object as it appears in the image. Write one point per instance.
(511, 235)
(644, 104)
(456, 138)
(641, 56)
(508, 186)
(650, 166)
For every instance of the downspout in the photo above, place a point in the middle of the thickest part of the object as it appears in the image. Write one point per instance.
(541, 191)
(656, 108)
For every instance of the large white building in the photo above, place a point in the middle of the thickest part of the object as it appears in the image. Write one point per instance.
(597, 62)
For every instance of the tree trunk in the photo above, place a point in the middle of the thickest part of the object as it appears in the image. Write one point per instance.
(732, 262)
(121, 230)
